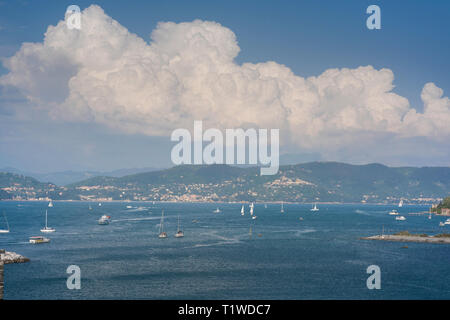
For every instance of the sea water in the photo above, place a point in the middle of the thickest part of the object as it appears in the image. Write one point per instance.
(318, 257)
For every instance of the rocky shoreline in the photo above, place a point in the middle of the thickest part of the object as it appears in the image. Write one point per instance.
(407, 238)
(7, 257)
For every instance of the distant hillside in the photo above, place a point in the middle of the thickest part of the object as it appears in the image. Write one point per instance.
(314, 181)
(62, 178)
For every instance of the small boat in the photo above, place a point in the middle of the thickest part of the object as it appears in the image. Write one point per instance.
(47, 228)
(282, 208)
(179, 233)
(400, 218)
(194, 221)
(242, 210)
(129, 207)
(447, 221)
(39, 239)
(315, 208)
(301, 218)
(254, 217)
(393, 212)
(7, 225)
(217, 210)
(441, 224)
(251, 208)
(100, 204)
(50, 204)
(429, 216)
(265, 206)
(90, 208)
(162, 234)
(104, 220)
(400, 204)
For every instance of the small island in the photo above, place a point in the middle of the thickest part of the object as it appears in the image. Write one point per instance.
(406, 236)
(443, 208)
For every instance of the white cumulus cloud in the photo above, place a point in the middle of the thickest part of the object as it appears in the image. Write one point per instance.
(104, 74)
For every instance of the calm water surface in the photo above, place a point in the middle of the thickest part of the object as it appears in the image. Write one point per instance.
(319, 257)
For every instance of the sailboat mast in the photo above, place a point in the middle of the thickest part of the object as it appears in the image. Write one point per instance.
(7, 224)
(162, 222)
(45, 219)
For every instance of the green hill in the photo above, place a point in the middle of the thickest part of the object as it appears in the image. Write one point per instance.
(314, 181)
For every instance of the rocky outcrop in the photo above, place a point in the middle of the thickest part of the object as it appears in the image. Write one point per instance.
(12, 257)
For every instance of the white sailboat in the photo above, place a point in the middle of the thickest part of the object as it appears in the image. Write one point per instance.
(179, 233)
(162, 234)
(7, 225)
(100, 204)
(400, 204)
(50, 204)
(47, 228)
(282, 208)
(315, 208)
(242, 210)
(217, 210)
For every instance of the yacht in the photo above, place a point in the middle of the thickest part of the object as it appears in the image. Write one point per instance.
(162, 234)
(50, 204)
(104, 220)
(254, 217)
(179, 233)
(441, 224)
(400, 218)
(242, 210)
(7, 225)
(47, 228)
(39, 239)
(315, 208)
(447, 221)
(400, 204)
(393, 212)
(129, 207)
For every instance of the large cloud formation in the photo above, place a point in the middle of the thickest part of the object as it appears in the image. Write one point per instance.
(107, 75)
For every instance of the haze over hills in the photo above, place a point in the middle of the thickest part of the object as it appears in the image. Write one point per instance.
(308, 182)
(62, 178)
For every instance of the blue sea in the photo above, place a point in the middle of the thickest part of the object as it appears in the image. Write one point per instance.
(318, 257)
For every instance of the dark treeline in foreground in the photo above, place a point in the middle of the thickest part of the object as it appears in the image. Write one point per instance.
(309, 182)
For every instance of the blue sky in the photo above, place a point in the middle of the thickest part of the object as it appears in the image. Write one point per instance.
(308, 37)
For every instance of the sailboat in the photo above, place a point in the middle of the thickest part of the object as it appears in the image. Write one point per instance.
(47, 228)
(282, 208)
(100, 204)
(50, 204)
(162, 234)
(265, 206)
(429, 216)
(179, 233)
(242, 210)
(315, 208)
(90, 208)
(217, 210)
(400, 204)
(7, 225)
